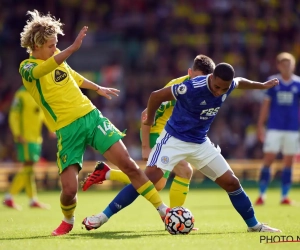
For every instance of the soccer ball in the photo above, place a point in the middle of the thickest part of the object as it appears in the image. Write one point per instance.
(179, 220)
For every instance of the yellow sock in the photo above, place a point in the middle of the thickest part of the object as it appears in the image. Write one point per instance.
(30, 186)
(150, 193)
(18, 182)
(117, 175)
(68, 211)
(178, 191)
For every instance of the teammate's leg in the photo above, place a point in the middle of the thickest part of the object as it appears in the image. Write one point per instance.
(264, 177)
(290, 148)
(271, 147)
(286, 179)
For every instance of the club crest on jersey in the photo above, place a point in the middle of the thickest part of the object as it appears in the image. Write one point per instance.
(60, 77)
(165, 159)
(182, 89)
(294, 89)
(224, 97)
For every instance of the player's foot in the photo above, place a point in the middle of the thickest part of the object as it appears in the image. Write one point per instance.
(92, 222)
(97, 177)
(163, 217)
(10, 203)
(264, 228)
(36, 204)
(62, 229)
(259, 201)
(286, 201)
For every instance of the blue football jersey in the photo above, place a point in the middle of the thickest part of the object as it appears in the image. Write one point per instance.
(195, 109)
(284, 105)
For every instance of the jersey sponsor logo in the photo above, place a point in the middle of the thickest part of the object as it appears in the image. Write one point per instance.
(209, 112)
(203, 103)
(181, 89)
(165, 159)
(60, 77)
(285, 97)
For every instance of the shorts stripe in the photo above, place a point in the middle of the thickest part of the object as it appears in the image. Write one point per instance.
(158, 149)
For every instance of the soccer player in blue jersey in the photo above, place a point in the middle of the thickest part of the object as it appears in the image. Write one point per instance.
(281, 105)
(198, 101)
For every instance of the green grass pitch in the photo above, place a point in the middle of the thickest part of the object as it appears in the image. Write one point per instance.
(139, 226)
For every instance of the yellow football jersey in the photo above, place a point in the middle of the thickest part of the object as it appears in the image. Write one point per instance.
(56, 89)
(165, 110)
(26, 117)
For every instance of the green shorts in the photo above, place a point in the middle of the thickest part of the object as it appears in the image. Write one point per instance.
(92, 129)
(28, 151)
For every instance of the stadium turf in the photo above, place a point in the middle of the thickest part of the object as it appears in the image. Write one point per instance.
(139, 226)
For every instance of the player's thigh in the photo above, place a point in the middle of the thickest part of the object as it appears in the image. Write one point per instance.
(273, 141)
(103, 134)
(183, 169)
(203, 154)
(167, 152)
(71, 143)
(290, 143)
(216, 168)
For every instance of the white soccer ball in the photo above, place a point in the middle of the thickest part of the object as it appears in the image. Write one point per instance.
(179, 220)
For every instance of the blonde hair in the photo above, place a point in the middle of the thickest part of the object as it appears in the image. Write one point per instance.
(39, 29)
(286, 56)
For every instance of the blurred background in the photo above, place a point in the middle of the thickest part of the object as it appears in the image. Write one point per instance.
(139, 46)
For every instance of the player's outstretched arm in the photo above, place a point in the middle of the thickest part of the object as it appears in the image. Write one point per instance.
(106, 92)
(154, 101)
(243, 83)
(52, 63)
(63, 55)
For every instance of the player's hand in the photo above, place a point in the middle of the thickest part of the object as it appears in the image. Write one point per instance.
(107, 92)
(145, 152)
(271, 83)
(260, 133)
(147, 121)
(78, 41)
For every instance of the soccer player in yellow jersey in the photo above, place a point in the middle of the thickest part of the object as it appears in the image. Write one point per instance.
(202, 65)
(25, 121)
(77, 122)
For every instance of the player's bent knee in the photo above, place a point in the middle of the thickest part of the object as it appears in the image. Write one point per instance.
(184, 170)
(232, 184)
(69, 193)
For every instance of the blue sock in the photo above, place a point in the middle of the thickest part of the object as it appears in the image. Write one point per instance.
(264, 179)
(124, 198)
(243, 206)
(286, 181)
